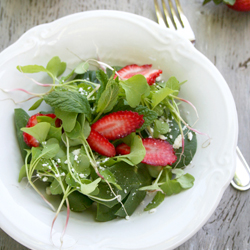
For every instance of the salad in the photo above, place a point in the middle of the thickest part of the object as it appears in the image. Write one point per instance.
(112, 135)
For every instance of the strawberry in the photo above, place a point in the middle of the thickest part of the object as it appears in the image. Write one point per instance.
(133, 69)
(30, 140)
(240, 5)
(122, 149)
(158, 152)
(100, 144)
(118, 124)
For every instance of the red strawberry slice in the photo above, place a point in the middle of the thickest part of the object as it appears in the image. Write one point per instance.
(118, 124)
(30, 140)
(146, 70)
(122, 149)
(100, 144)
(240, 5)
(158, 152)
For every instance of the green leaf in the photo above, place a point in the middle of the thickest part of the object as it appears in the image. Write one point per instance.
(160, 95)
(89, 187)
(105, 213)
(103, 79)
(190, 146)
(31, 69)
(79, 202)
(230, 2)
(137, 150)
(68, 119)
(108, 175)
(71, 181)
(160, 128)
(85, 127)
(186, 181)
(206, 1)
(55, 66)
(22, 173)
(50, 148)
(55, 133)
(55, 187)
(132, 202)
(157, 200)
(36, 104)
(39, 131)
(173, 84)
(135, 87)
(82, 68)
(174, 186)
(148, 115)
(69, 101)
(76, 132)
(108, 98)
(21, 119)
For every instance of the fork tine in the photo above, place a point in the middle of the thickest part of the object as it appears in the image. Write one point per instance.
(168, 18)
(185, 22)
(176, 21)
(159, 14)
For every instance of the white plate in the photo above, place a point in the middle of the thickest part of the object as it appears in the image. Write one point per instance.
(118, 38)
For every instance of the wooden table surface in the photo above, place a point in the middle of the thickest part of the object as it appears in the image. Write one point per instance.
(223, 35)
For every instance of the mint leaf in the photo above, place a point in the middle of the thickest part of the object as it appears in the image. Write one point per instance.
(69, 101)
(135, 87)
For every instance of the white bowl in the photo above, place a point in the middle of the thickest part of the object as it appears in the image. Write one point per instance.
(118, 38)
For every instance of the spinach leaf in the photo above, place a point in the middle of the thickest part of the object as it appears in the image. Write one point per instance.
(21, 119)
(79, 202)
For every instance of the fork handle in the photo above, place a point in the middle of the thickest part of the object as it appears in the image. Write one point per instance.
(241, 179)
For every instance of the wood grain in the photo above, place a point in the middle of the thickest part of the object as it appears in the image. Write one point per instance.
(223, 36)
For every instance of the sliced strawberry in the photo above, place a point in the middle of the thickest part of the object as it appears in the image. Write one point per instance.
(118, 124)
(240, 5)
(158, 152)
(122, 149)
(146, 70)
(100, 144)
(30, 140)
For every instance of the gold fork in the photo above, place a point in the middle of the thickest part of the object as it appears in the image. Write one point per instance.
(241, 180)
(178, 22)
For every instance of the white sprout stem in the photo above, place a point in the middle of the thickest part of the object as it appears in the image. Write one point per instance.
(92, 92)
(118, 197)
(29, 176)
(23, 90)
(188, 102)
(106, 65)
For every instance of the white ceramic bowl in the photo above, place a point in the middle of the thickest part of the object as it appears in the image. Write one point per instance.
(118, 38)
